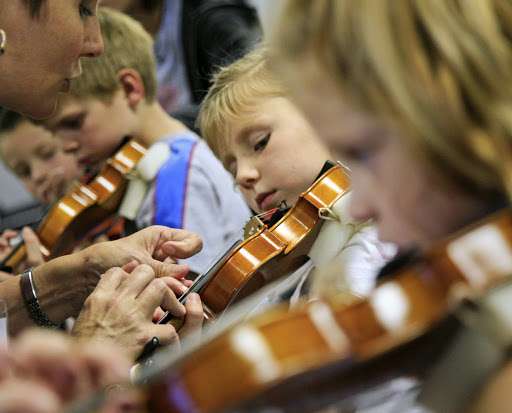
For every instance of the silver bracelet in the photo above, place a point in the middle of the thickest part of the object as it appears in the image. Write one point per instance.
(28, 292)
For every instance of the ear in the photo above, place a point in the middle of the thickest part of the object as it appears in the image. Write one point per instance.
(133, 87)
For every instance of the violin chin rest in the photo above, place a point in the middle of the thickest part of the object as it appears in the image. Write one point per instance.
(334, 234)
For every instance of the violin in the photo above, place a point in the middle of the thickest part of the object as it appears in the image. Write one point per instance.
(325, 351)
(84, 206)
(268, 252)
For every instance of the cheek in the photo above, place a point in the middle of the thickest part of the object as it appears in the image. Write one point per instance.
(405, 202)
(92, 136)
(398, 177)
(70, 40)
(249, 198)
(69, 165)
(293, 172)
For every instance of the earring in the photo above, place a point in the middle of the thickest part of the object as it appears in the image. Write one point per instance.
(3, 41)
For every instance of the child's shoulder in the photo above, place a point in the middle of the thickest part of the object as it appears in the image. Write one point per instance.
(188, 153)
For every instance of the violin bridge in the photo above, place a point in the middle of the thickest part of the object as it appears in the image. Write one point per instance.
(254, 225)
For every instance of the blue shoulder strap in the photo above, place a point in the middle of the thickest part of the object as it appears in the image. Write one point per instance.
(171, 183)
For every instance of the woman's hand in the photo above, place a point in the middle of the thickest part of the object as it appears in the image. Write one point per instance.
(64, 283)
(121, 309)
(156, 246)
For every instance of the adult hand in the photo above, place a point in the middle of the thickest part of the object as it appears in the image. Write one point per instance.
(156, 246)
(121, 308)
(64, 283)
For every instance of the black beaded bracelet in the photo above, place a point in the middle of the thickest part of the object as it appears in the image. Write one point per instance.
(28, 292)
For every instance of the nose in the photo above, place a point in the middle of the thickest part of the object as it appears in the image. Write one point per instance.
(360, 208)
(70, 146)
(93, 41)
(247, 175)
(38, 173)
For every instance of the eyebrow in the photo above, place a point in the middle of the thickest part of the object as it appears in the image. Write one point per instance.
(250, 129)
(63, 116)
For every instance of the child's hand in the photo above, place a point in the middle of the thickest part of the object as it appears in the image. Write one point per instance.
(34, 256)
(5, 246)
(33, 246)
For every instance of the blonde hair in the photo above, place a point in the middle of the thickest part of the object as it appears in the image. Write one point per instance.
(235, 89)
(440, 69)
(127, 46)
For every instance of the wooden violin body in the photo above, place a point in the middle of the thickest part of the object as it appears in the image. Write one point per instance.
(85, 206)
(325, 351)
(245, 271)
(272, 252)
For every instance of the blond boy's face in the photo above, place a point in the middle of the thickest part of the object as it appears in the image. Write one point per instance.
(36, 157)
(273, 154)
(91, 130)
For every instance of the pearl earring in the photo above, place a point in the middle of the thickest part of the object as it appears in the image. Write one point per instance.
(3, 41)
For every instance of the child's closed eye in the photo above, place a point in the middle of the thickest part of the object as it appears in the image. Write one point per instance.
(72, 122)
(262, 143)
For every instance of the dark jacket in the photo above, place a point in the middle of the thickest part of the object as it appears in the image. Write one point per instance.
(215, 33)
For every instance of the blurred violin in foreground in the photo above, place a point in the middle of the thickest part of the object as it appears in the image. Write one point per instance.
(444, 318)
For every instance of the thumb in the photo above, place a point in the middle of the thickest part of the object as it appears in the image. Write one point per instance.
(33, 246)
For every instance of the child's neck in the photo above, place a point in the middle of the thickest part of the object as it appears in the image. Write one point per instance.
(156, 124)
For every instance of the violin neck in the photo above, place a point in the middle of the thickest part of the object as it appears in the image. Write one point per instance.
(202, 280)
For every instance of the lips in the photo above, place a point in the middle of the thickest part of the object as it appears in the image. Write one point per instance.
(265, 199)
(86, 161)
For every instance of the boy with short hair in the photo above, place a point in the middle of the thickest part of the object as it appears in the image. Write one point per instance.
(274, 155)
(179, 183)
(37, 159)
(35, 155)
